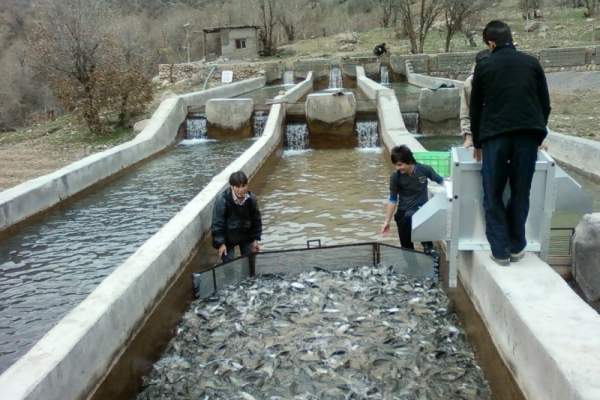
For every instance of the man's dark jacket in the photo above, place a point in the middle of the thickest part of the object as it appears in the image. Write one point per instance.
(509, 94)
(233, 224)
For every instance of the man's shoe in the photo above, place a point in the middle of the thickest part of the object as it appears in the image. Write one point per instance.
(514, 257)
(503, 262)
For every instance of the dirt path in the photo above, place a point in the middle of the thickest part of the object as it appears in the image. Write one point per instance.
(30, 159)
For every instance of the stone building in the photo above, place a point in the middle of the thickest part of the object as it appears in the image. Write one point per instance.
(233, 42)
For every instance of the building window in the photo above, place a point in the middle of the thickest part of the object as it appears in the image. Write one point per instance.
(240, 43)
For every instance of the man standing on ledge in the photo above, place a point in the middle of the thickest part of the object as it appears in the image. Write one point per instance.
(236, 219)
(509, 112)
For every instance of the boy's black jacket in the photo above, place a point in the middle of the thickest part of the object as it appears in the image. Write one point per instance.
(233, 224)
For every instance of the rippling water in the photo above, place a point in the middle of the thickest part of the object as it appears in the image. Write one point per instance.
(337, 196)
(48, 267)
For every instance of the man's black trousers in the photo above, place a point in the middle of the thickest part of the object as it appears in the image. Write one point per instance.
(511, 158)
(404, 223)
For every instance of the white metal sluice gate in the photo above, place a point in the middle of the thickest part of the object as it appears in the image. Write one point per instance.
(456, 214)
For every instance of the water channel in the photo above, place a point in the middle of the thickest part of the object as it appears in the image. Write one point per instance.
(49, 266)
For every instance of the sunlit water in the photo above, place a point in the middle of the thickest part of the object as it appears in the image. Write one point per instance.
(48, 267)
(337, 196)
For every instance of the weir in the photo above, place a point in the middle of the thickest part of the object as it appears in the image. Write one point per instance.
(524, 310)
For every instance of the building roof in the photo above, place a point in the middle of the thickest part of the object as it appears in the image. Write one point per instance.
(218, 28)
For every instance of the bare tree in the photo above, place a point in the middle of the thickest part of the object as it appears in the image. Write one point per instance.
(531, 9)
(457, 13)
(388, 12)
(290, 15)
(267, 20)
(591, 7)
(417, 17)
(67, 44)
(75, 47)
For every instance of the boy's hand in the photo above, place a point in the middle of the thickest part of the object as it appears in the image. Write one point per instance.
(477, 154)
(255, 247)
(385, 228)
(222, 250)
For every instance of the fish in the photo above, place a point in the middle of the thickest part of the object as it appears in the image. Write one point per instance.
(365, 332)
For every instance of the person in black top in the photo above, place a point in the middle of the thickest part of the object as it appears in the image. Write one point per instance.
(380, 50)
(408, 192)
(509, 112)
(236, 219)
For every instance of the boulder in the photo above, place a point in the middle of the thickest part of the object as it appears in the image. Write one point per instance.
(347, 37)
(586, 255)
(330, 118)
(532, 25)
(229, 118)
(346, 47)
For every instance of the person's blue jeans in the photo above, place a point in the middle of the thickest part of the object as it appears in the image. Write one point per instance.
(509, 157)
(245, 249)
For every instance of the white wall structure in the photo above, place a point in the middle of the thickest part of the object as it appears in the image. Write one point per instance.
(581, 154)
(391, 125)
(34, 196)
(545, 333)
(74, 355)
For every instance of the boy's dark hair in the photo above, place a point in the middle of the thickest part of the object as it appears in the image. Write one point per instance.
(497, 32)
(402, 154)
(483, 54)
(238, 179)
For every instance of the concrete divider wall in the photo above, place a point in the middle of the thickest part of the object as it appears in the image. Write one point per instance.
(391, 125)
(581, 154)
(427, 81)
(545, 333)
(70, 359)
(299, 90)
(199, 99)
(34, 196)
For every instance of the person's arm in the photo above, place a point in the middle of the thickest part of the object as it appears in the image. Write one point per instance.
(434, 176)
(218, 226)
(465, 119)
(476, 106)
(390, 207)
(543, 94)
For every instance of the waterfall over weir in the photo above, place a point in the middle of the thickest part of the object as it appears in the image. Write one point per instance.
(335, 78)
(259, 120)
(296, 136)
(367, 133)
(288, 78)
(196, 128)
(384, 76)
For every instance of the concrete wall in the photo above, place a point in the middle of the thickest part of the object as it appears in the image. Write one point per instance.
(294, 94)
(34, 196)
(545, 333)
(450, 65)
(391, 125)
(428, 81)
(581, 154)
(68, 361)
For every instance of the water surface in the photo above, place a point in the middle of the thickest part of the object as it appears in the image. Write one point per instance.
(50, 266)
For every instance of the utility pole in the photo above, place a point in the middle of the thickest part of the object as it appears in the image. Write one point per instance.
(187, 40)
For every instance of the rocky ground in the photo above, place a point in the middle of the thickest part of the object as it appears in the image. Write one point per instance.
(40, 149)
(575, 98)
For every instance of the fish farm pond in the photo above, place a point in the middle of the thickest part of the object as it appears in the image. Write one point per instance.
(360, 333)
